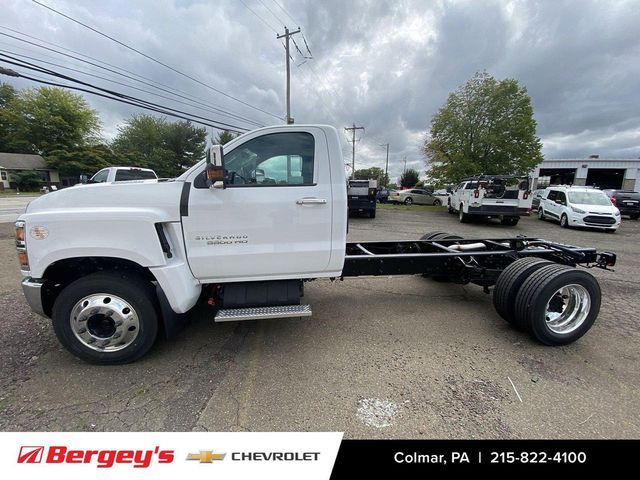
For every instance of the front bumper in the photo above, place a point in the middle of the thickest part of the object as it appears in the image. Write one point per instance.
(33, 293)
(587, 220)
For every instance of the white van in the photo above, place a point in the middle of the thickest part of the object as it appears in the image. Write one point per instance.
(579, 207)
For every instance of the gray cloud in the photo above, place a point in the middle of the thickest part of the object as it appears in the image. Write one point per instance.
(385, 65)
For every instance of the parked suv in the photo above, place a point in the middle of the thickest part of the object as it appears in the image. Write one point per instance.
(579, 207)
(627, 201)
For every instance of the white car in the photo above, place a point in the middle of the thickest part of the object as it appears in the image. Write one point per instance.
(579, 207)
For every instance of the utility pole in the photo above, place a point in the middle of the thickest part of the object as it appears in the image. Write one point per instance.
(405, 164)
(386, 165)
(286, 36)
(353, 147)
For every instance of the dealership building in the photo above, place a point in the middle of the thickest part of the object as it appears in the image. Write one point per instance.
(593, 171)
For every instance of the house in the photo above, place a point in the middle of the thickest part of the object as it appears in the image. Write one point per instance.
(12, 163)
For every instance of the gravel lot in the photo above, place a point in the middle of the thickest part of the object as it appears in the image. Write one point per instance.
(380, 358)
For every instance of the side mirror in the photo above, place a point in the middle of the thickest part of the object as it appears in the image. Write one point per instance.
(84, 179)
(215, 167)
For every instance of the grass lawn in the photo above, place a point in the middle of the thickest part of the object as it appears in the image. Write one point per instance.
(395, 206)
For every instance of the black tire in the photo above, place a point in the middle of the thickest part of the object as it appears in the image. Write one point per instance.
(136, 291)
(463, 217)
(541, 214)
(372, 214)
(564, 221)
(510, 221)
(408, 201)
(450, 210)
(430, 235)
(437, 203)
(539, 289)
(508, 284)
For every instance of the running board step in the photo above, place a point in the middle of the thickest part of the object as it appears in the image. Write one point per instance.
(262, 313)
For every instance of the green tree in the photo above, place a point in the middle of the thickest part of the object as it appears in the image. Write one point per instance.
(409, 178)
(186, 142)
(166, 147)
(27, 180)
(8, 117)
(223, 137)
(485, 127)
(44, 119)
(373, 173)
(84, 160)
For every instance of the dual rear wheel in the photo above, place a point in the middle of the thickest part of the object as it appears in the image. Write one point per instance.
(555, 303)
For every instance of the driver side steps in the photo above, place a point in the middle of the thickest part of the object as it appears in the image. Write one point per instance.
(259, 300)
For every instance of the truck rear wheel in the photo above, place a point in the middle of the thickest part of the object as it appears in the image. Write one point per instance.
(372, 214)
(508, 284)
(463, 217)
(558, 305)
(510, 221)
(107, 317)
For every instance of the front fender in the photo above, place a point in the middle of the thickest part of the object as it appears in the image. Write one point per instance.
(126, 233)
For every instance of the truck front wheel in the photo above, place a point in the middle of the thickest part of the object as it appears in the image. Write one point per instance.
(107, 317)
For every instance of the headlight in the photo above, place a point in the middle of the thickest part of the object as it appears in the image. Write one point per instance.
(21, 245)
(617, 213)
(577, 210)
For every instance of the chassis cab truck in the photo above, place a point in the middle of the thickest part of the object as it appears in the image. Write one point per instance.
(115, 265)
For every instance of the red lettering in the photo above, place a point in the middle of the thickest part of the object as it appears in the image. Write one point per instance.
(56, 454)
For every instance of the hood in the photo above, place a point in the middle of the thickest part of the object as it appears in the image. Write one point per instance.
(152, 194)
(601, 209)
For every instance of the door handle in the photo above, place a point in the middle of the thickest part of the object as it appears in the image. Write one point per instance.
(311, 201)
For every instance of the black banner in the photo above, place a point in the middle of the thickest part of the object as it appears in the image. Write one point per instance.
(414, 458)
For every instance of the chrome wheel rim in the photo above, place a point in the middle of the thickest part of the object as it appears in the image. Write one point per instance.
(104, 322)
(567, 309)
(540, 214)
(563, 220)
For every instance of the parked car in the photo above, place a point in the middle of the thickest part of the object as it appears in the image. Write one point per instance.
(537, 195)
(383, 195)
(627, 201)
(579, 207)
(414, 195)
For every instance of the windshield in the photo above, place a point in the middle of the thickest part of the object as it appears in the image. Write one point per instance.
(589, 198)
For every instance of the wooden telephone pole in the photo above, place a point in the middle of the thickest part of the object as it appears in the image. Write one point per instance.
(286, 36)
(353, 147)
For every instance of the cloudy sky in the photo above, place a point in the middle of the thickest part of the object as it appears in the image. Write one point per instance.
(385, 65)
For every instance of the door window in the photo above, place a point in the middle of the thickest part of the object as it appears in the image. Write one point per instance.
(276, 159)
(101, 176)
(562, 197)
(552, 195)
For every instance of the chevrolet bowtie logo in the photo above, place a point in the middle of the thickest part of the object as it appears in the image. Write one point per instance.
(206, 456)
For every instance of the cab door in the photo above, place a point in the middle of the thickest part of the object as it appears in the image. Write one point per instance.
(273, 218)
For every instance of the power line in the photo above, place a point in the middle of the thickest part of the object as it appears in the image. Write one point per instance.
(273, 14)
(167, 90)
(286, 12)
(120, 96)
(259, 17)
(108, 80)
(149, 57)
